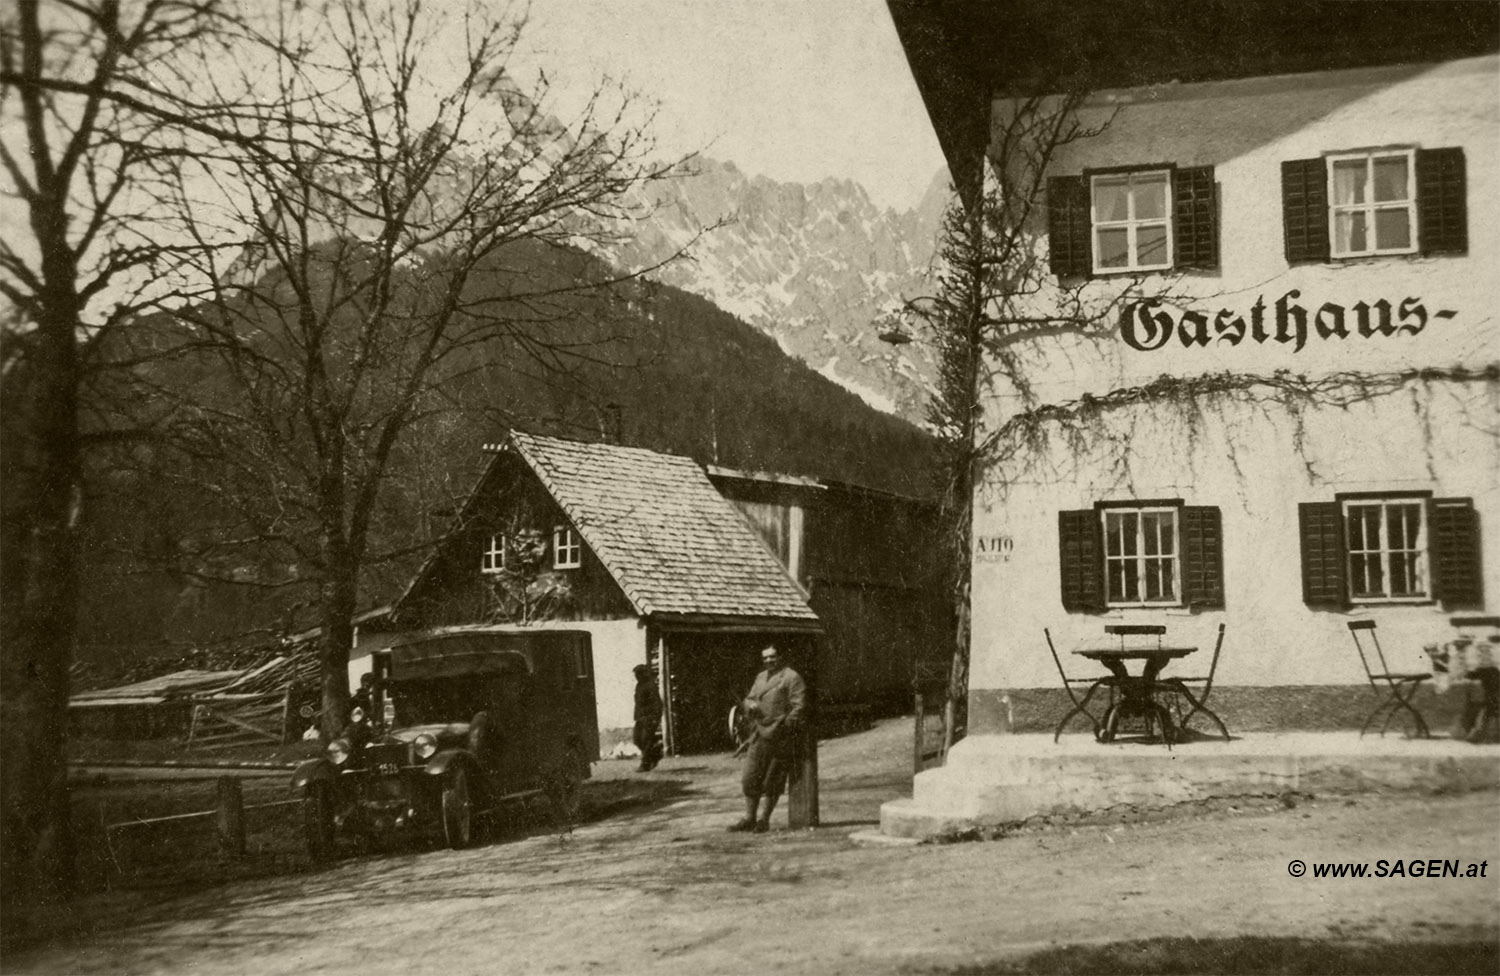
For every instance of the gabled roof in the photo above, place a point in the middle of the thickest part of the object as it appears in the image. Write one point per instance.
(673, 544)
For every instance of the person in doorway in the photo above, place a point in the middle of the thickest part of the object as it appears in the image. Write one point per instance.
(775, 706)
(647, 732)
(364, 697)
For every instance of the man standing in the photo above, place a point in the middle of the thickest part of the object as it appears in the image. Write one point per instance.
(647, 732)
(775, 706)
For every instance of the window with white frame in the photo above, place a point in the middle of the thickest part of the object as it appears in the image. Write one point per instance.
(492, 559)
(1141, 556)
(1372, 203)
(1132, 220)
(1386, 541)
(567, 550)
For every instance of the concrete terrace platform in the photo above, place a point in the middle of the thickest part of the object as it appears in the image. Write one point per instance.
(993, 779)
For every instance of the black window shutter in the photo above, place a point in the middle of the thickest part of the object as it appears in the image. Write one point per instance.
(1081, 548)
(1070, 250)
(1195, 224)
(1202, 557)
(1321, 526)
(1304, 209)
(1442, 204)
(1457, 575)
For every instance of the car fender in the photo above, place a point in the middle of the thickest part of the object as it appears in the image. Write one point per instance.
(442, 762)
(313, 770)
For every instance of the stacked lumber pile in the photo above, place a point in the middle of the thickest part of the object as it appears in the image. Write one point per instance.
(263, 704)
(260, 707)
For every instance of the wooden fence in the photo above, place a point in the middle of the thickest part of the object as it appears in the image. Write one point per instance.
(227, 815)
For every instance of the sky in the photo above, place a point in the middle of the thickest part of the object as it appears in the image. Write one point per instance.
(796, 90)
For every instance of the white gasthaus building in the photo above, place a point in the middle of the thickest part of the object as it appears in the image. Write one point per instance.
(1291, 423)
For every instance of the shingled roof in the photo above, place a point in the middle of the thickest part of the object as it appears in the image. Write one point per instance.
(673, 544)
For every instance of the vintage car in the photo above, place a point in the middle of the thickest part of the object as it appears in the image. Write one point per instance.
(460, 726)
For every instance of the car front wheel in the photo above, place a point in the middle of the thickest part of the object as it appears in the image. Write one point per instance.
(458, 810)
(317, 819)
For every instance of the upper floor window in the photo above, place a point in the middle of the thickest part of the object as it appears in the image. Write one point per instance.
(1375, 202)
(1136, 219)
(1390, 548)
(492, 559)
(1372, 203)
(1130, 221)
(567, 550)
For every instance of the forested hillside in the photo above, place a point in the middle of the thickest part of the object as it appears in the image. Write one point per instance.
(171, 568)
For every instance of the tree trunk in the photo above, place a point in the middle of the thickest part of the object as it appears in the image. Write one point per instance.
(338, 598)
(38, 615)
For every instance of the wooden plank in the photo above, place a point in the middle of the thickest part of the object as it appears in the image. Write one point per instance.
(246, 741)
(171, 818)
(921, 732)
(230, 817)
(248, 727)
(802, 798)
(251, 675)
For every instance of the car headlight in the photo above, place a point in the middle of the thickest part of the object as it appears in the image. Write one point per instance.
(425, 745)
(338, 751)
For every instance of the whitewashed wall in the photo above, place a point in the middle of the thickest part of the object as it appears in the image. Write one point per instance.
(1442, 438)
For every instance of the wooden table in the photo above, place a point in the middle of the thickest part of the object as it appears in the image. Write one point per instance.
(1137, 697)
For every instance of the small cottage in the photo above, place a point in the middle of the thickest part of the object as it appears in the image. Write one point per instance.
(637, 548)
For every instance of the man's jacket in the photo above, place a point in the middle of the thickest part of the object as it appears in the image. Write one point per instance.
(780, 700)
(647, 702)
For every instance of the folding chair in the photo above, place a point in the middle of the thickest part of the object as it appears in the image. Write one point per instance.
(1401, 687)
(1199, 701)
(1080, 706)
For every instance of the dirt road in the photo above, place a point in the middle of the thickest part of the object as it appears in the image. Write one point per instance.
(656, 885)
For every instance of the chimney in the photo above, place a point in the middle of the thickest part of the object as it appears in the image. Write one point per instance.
(614, 424)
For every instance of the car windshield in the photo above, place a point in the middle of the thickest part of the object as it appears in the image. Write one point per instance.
(449, 700)
(446, 700)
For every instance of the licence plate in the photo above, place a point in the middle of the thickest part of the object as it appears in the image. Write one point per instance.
(388, 769)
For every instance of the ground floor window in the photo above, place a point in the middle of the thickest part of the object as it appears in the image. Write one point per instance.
(1401, 547)
(1138, 553)
(1387, 542)
(1140, 556)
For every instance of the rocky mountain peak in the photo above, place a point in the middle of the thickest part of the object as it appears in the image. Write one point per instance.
(812, 265)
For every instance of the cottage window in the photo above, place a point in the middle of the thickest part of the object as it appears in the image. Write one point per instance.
(1397, 548)
(1372, 203)
(1130, 220)
(567, 550)
(1376, 202)
(1139, 554)
(492, 559)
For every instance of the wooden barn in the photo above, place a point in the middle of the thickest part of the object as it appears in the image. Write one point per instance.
(690, 570)
(870, 565)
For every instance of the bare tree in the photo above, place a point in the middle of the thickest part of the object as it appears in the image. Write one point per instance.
(980, 321)
(97, 114)
(435, 224)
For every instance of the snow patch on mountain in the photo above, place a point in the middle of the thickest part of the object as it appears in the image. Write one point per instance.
(812, 265)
